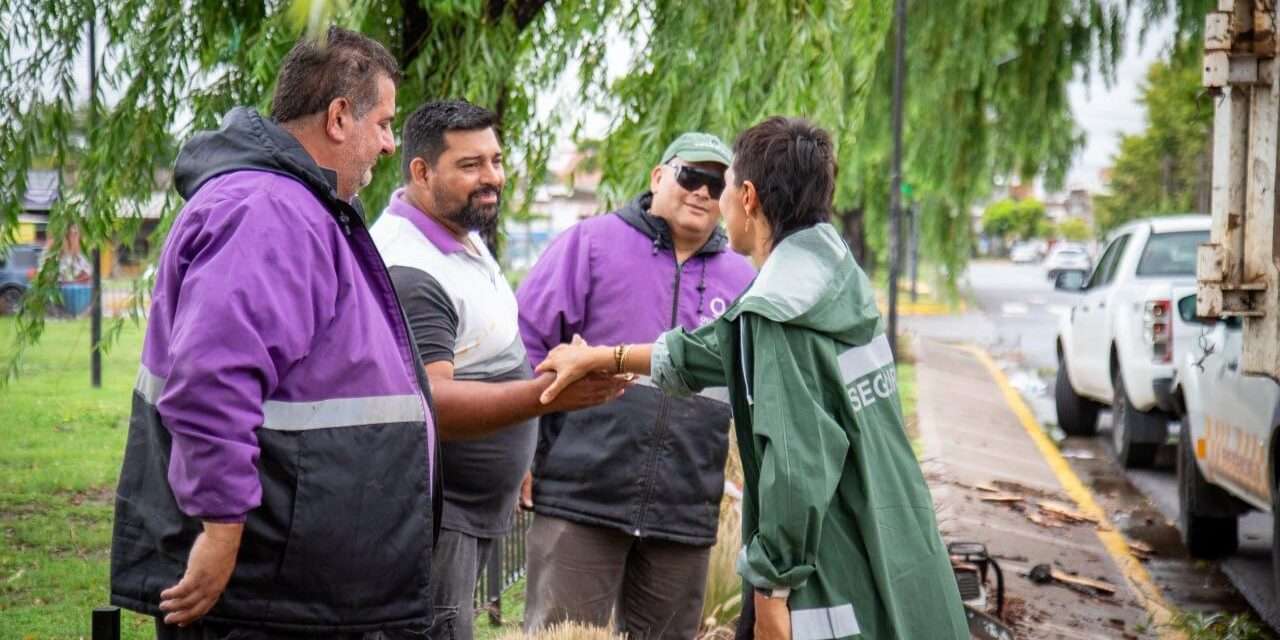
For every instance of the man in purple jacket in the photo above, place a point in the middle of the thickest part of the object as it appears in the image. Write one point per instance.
(627, 495)
(279, 473)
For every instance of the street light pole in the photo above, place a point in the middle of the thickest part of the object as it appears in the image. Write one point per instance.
(913, 247)
(895, 189)
(95, 314)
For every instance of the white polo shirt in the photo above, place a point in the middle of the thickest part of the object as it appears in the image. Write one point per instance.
(488, 328)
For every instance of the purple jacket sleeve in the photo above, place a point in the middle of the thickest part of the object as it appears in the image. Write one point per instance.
(553, 296)
(256, 282)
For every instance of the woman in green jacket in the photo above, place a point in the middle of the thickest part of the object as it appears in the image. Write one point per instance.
(840, 538)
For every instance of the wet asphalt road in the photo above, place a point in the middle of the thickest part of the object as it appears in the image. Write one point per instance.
(1013, 312)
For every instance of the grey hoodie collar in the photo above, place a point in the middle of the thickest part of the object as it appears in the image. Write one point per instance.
(636, 213)
(247, 141)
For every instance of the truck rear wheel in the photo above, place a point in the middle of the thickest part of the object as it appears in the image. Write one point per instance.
(1126, 421)
(1275, 538)
(1076, 415)
(1206, 513)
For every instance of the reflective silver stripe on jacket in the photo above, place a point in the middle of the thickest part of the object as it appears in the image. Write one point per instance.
(719, 394)
(868, 358)
(340, 412)
(149, 385)
(322, 414)
(824, 624)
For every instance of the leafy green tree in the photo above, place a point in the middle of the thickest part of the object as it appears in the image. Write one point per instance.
(986, 94)
(1016, 219)
(997, 219)
(174, 69)
(977, 70)
(1073, 229)
(1165, 169)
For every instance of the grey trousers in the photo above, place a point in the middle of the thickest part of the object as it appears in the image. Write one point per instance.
(595, 575)
(455, 565)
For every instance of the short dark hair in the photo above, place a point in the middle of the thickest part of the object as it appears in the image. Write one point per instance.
(344, 64)
(791, 162)
(424, 129)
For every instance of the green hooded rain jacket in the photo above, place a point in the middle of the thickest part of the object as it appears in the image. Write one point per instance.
(835, 506)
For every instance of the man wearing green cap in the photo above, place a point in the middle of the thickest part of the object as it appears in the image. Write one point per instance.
(627, 494)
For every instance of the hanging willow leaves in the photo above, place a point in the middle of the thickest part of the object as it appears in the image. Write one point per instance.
(986, 92)
(173, 70)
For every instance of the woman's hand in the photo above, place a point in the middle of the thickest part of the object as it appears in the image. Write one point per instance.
(572, 362)
(773, 618)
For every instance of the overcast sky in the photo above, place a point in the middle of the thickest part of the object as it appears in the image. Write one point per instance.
(1106, 113)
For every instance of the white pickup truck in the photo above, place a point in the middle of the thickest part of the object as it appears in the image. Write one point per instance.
(1119, 343)
(1228, 442)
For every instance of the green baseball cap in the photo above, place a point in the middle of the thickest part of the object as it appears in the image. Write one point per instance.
(698, 147)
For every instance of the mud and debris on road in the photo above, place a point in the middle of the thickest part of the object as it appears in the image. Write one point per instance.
(974, 446)
(980, 446)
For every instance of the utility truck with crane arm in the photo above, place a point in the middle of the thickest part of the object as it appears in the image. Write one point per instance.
(1229, 457)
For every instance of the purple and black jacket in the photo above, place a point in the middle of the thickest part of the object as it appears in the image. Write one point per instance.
(279, 387)
(649, 463)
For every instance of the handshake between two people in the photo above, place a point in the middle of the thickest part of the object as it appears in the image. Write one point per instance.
(579, 361)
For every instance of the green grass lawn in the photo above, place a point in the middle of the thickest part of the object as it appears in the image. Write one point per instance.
(907, 389)
(512, 615)
(63, 441)
(58, 466)
(907, 393)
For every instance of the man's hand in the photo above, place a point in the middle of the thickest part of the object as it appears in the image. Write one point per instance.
(526, 492)
(595, 389)
(773, 618)
(209, 567)
(571, 363)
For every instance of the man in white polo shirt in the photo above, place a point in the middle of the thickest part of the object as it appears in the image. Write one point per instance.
(465, 323)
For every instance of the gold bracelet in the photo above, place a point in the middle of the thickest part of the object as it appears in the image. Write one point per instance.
(622, 361)
(618, 353)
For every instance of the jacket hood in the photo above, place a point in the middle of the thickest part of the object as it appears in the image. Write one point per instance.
(247, 141)
(636, 213)
(812, 281)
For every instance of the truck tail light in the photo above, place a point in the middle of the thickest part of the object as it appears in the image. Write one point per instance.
(1157, 328)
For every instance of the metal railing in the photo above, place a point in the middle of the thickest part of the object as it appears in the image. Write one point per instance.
(504, 567)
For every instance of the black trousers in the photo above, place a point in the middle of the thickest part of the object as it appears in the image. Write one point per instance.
(215, 631)
(747, 621)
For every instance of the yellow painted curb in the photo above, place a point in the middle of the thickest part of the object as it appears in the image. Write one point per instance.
(922, 309)
(1114, 542)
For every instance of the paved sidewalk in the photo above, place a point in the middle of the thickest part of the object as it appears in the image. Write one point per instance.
(976, 432)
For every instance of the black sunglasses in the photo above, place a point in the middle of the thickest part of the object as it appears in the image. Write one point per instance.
(692, 178)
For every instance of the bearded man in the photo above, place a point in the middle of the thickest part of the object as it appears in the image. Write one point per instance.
(465, 324)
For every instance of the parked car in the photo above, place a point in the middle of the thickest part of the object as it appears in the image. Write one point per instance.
(1227, 449)
(1118, 345)
(18, 264)
(1066, 256)
(1025, 253)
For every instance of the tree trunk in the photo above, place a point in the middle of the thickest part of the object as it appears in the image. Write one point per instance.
(416, 24)
(853, 224)
(492, 232)
(1204, 180)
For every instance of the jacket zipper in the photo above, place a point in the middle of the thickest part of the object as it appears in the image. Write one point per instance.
(400, 321)
(664, 409)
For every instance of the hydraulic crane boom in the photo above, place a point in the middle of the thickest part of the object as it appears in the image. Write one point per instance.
(1237, 270)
